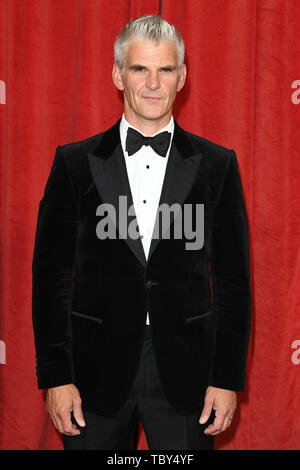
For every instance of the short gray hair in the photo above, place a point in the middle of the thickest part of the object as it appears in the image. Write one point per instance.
(147, 27)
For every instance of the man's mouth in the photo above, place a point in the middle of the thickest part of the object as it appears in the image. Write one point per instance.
(151, 98)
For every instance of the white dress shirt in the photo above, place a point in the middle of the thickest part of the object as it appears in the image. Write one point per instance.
(146, 171)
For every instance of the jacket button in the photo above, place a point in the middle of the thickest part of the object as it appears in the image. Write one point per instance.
(150, 284)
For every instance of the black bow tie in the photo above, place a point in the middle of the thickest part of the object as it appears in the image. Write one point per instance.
(135, 140)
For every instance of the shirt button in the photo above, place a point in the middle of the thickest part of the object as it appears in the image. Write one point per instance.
(144, 201)
(150, 284)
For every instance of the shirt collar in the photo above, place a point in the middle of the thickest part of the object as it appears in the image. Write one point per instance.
(124, 124)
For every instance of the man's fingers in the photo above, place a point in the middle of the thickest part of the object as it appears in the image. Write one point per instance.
(65, 425)
(61, 401)
(227, 422)
(59, 426)
(77, 412)
(224, 403)
(66, 422)
(217, 426)
(57, 422)
(206, 412)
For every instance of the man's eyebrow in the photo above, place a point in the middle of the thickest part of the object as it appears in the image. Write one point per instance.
(133, 66)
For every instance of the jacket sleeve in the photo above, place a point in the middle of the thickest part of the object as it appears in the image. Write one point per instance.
(230, 270)
(52, 276)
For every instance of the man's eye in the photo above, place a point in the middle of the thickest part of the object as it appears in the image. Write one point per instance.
(166, 69)
(139, 69)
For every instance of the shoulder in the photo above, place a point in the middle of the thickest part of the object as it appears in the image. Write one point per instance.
(207, 145)
(214, 153)
(77, 151)
(72, 156)
(80, 147)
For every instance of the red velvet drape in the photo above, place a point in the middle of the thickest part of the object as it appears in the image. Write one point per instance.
(243, 92)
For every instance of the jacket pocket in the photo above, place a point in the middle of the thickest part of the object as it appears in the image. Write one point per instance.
(88, 317)
(197, 317)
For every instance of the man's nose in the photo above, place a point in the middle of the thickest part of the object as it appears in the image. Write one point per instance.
(153, 81)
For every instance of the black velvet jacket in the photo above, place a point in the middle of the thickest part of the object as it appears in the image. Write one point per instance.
(91, 296)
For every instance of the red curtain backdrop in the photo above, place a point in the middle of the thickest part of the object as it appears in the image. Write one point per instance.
(243, 92)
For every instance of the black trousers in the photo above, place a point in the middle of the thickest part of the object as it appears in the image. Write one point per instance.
(165, 429)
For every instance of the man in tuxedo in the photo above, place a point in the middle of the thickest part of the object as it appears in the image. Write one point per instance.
(130, 326)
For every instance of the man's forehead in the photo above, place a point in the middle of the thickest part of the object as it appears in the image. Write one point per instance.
(151, 50)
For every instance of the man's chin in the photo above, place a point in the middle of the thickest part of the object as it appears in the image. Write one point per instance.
(155, 116)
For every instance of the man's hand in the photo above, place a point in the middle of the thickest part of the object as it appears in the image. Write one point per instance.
(60, 402)
(224, 403)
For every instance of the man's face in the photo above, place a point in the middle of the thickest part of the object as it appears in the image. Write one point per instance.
(150, 80)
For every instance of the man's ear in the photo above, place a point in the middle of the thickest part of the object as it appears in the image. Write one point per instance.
(117, 77)
(182, 77)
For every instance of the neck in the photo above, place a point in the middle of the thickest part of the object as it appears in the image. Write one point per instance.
(147, 126)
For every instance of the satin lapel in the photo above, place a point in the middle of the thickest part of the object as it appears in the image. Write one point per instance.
(182, 167)
(109, 172)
